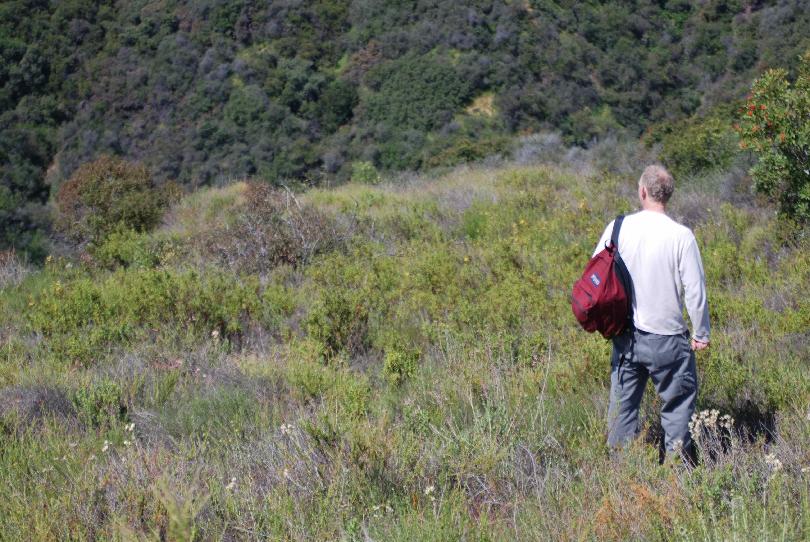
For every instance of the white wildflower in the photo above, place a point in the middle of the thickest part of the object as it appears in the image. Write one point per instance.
(429, 490)
(380, 509)
(232, 484)
(286, 429)
(709, 420)
(131, 427)
(773, 462)
(215, 334)
(106, 446)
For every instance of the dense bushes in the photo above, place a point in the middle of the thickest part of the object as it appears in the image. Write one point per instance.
(415, 92)
(203, 93)
(84, 316)
(697, 145)
(109, 194)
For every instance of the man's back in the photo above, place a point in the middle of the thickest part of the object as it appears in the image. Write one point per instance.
(664, 262)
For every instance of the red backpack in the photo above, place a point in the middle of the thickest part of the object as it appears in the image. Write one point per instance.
(602, 298)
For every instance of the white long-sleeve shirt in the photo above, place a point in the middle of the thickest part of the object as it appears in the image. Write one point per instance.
(664, 262)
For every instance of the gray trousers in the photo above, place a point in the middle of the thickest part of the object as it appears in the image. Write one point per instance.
(670, 362)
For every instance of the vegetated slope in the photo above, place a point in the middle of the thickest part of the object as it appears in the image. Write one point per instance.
(208, 90)
(409, 370)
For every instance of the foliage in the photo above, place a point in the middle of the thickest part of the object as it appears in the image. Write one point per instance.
(365, 173)
(125, 247)
(697, 145)
(100, 403)
(775, 124)
(108, 194)
(415, 92)
(422, 380)
(400, 364)
(203, 93)
(133, 302)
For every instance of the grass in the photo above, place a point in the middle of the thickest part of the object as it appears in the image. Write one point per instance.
(423, 379)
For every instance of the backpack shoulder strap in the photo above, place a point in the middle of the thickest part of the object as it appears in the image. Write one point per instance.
(617, 227)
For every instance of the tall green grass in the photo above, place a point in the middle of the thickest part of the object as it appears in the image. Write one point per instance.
(423, 380)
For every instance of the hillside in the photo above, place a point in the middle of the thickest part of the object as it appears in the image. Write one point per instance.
(391, 362)
(207, 91)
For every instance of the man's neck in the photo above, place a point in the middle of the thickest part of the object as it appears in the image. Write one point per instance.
(654, 207)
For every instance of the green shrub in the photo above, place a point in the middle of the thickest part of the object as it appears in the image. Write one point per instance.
(343, 302)
(351, 392)
(107, 194)
(774, 124)
(308, 378)
(339, 320)
(474, 221)
(100, 403)
(467, 149)
(128, 248)
(698, 145)
(276, 304)
(400, 364)
(420, 92)
(365, 173)
(128, 300)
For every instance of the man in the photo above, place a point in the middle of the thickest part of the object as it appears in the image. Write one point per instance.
(666, 270)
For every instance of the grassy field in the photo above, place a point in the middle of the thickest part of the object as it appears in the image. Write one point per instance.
(392, 362)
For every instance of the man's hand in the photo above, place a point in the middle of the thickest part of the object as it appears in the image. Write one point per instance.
(699, 345)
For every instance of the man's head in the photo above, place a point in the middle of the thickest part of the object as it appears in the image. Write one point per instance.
(655, 188)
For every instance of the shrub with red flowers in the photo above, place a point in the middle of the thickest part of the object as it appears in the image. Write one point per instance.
(775, 124)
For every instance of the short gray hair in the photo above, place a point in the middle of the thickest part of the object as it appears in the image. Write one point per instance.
(658, 182)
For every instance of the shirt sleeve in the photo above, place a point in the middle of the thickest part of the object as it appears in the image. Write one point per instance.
(693, 279)
(600, 246)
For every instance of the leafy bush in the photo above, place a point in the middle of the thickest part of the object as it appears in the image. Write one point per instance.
(129, 299)
(774, 124)
(400, 364)
(107, 194)
(126, 248)
(698, 145)
(364, 172)
(100, 403)
(465, 149)
(420, 92)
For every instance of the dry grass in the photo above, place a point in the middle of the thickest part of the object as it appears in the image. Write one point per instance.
(12, 269)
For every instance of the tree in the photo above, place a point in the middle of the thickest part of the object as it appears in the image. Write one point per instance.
(775, 124)
(107, 194)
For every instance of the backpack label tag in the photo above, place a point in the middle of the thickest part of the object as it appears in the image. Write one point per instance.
(595, 280)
